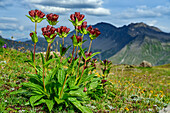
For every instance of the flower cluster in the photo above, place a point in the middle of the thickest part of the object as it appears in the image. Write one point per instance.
(87, 55)
(36, 16)
(62, 31)
(77, 15)
(52, 18)
(106, 62)
(94, 33)
(79, 38)
(49, 33)
(77, 19)
(38, 13)
(82, 29)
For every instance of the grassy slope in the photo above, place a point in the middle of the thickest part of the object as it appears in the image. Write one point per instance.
(148, 49)
(126, 82)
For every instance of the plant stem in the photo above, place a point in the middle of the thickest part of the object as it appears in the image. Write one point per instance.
(79, 59)
(82, 72)
(43, 79)
(34, 47)
(72, 55)
(63, 42)
(63, 86)
(76, 51)
(34, 58)
(89, 46)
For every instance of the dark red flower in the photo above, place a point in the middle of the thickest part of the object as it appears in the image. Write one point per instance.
(48, 31)
(84, 25)
(103, 81)
(33, 13)
(106, 62)
(79, 38)
(87, 55)
(62, 29)
(63, 49)
(32, 34)
(77, 15)
(52, 17)
(93, 31)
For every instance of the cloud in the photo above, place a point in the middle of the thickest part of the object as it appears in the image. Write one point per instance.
(152, 23)
(144, 12)
(97, 11)
(10, 26)
(0, 32)
(51, 9)
(91, 7)
(8, 19)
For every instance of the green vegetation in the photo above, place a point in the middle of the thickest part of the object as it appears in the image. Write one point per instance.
(127, 88)
(148, 49)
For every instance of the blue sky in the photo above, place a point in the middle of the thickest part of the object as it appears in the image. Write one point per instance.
(13, 21)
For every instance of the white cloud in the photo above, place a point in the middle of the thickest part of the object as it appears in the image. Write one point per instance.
(97, 11)
(11, 26)
(9, 19)
(51, 9)
(152, 23)
(144, 12)
(21, 28)
(91, 7)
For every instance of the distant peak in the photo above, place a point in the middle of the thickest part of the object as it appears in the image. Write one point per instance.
(104, 23)
(141, 24)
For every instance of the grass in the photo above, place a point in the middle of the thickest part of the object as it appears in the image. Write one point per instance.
(132, 89)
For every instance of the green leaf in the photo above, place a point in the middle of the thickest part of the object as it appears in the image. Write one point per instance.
(93, 55)
(39, 102)
(33, 99)
(93, 85)
(59, 101)
(20, 91)
(76, 103)
(74, 40)
(42, 58)
(49, 61)
(50, 104)
(61, 76)
(40, 19)
(34, 37)
(82, 52)
(31, 18)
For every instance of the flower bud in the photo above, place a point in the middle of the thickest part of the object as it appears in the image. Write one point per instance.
(103, 81)
(85, 89)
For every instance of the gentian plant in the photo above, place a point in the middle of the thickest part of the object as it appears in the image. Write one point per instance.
(62, 83)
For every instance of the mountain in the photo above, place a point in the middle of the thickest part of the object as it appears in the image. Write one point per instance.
(129, 44)
(150, 44)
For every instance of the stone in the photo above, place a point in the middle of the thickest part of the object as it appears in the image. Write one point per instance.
(145, 64)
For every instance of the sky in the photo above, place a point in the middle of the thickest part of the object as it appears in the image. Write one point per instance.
(13, 21)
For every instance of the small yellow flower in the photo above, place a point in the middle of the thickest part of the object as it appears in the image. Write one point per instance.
(139, 87)
(133, 75)
(161, 92)
(142, 92)
(65, 67)
(102, 75)
(132, 84)
(127, 109)
(161, 96)
(97, 74)
(119, 81)
(151, 91)
(155, 95)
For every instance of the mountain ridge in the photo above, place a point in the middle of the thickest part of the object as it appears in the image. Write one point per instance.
(113, 39)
